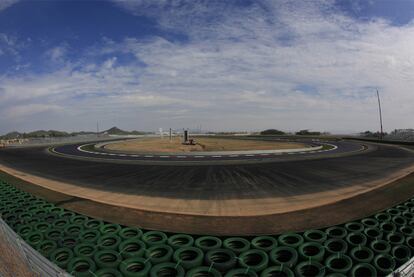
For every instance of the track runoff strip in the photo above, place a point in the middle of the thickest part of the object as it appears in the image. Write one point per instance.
(78, 150)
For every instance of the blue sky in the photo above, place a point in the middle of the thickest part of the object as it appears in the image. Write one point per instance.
(225, 65)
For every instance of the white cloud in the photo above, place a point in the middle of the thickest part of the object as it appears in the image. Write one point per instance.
(4, 4)
(20, 111)
(240, 68)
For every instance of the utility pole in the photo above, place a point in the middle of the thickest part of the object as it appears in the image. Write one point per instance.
(380, 114)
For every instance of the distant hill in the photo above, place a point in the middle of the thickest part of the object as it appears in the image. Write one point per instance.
(54, 133)
(116, 131)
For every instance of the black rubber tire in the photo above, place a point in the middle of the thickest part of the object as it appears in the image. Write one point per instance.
(221, 259)
(160, 253)
(382, 217)
(130, 233)
(236, 244)
(189, 257)
(241, 272)
(54, 234)
(312, 251)
(79, 219)
(73, 229)
(363, 270)
(180, 240)
(310, 268)
(61, 223)
(133, 247)
(380, 246)
(335, 246)
(135, 267)
(207, 243)
(291, 239)
(265, 243)
(362, 254)
(277, 271)
(315, 236)
(68, 241)
(109, 241)
(399, 220)
(407, 231)
(409, 241)
(384, 264)
(34, 238)
(61, 257)
(254, 259)
(338, 263)
(81, 267)
(284, 255)
(167, 269)
(86, 249)
(203, 271)
(154, 237)
(107, 258)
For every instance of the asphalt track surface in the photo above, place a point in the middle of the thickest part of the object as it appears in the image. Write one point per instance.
(285, 175)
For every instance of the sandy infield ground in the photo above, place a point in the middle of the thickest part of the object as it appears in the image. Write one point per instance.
(163, 145)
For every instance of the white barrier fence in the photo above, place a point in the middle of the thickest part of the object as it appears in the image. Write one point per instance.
(38, 264)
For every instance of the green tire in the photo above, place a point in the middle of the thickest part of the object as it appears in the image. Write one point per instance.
(160, 253)
(180, 240)
(237, 245)
(370, 222)
(90, 236)
(395, 238)
(108, 272)
(207, 243)
(110, 229)
(284, 255)
(154, 237)
(356, 239)
(338, 263)
(310, 268)
(78, 219)
(203, 271)
(167, 269)
(291, 239)
(93, 224)
(107, 258)
(81, 266)
(335, 246)
(221, 259)
(363, 269)
(135, 267)
(61, 257)
(315, 236)
(68, 241)
(265, 243)
(382, 217)
(277, 271)
(133, 247)
(189, 257)
(85, 249)
(373, 233)
(34, 238)
(130, 233)
(109, 242)
(54, 234)
(73, 229)
(312, 251)
(354, 227)
(384, 264)
(388, 227)
(254, 259)
(241, 272)
(401, 253)
(46, 247)
(361, 254)
(380, 246)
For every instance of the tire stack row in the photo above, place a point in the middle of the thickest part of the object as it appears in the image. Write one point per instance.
(84, 246)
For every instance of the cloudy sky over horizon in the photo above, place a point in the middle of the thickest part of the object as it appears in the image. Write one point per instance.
(224, 65)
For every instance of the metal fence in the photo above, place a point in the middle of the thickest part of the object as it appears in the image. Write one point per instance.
(38, 264)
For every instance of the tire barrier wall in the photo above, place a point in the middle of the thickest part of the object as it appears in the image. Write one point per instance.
(83, 246)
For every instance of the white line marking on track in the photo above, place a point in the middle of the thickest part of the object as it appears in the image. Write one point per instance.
(217, 156)
(181, 157)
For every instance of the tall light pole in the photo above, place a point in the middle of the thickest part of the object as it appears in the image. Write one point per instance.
(380, 114)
